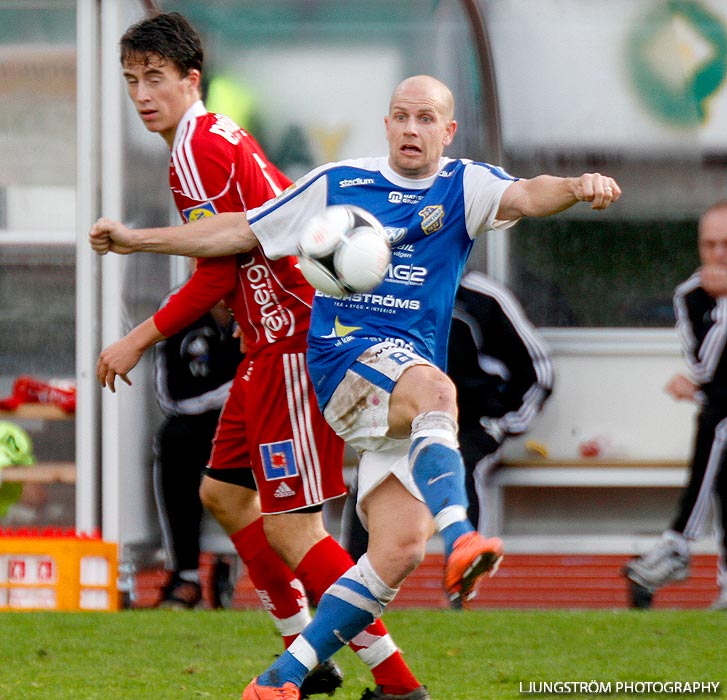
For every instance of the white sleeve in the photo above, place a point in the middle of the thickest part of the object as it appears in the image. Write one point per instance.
(277, 224)
(483, 189)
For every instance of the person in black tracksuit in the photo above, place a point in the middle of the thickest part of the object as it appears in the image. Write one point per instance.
(700, 306)
(503, 376)
(193, 373)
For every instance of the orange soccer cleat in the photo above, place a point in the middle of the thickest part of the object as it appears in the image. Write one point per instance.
(473, 556)
(288, 691)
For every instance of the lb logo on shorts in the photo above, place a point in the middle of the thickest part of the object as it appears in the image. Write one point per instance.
(278, 460)
(400, 357)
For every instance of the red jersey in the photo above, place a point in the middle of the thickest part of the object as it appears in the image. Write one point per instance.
(217, 167)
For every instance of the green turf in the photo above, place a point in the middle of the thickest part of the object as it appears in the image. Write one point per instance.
(167, 655)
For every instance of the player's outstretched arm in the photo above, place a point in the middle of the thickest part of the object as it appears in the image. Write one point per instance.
(209, 237)
(107, 236)
(547, 194)
(119, 358)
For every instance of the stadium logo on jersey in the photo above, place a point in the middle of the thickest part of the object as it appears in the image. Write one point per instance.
(432, 218)
(199, 211)
(356, 182)
(278, 460)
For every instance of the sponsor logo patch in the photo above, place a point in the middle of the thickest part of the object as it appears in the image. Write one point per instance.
(278, 460)
(404, 198)
(284, 491)
(199, 211)
(395, 234)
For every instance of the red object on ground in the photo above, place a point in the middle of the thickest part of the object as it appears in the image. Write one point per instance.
(31, 390)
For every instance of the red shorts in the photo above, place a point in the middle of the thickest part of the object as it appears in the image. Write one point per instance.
(271, 422)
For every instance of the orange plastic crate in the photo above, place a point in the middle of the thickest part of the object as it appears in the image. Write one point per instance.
(58, 572)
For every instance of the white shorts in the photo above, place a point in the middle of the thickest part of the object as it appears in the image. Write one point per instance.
(359, 408)
(359, 412)
(374, 467)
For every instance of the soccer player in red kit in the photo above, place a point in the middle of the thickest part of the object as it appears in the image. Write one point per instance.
(271, 425)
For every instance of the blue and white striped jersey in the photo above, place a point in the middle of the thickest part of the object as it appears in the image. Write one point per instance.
(431, 224)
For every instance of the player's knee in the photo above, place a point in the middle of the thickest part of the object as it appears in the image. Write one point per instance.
(273, 525)
(293, 535)
(421, 389)
(436, 391)
(224, 500)
(408, 557)
(210, 500)
(413, 552)
(401, 552)
(444, 392)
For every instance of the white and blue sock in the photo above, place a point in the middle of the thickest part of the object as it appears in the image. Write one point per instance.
(438, 471)
(347, 608)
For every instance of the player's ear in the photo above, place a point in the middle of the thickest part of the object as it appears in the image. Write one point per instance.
(449, 132)
(195, 78)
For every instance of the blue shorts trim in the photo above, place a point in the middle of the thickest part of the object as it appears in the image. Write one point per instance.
(374, 376)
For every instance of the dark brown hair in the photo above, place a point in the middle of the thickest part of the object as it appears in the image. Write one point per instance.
(166, 35)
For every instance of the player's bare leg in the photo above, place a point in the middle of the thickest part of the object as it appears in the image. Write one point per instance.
(424, 402)
(237, 510)
(319, 561)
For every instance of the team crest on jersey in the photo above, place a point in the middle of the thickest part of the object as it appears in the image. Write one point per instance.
(278, 460)
(432, 218)
(199, 211)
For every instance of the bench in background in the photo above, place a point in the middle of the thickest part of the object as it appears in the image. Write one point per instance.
(607, 505)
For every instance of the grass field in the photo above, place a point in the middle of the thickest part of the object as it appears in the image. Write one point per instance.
(167, 655)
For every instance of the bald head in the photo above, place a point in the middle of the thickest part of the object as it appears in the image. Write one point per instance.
(428, 89)
(419, 125)
(717, 210)
(713, 235)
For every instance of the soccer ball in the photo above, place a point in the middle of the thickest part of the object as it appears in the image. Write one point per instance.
(344, 250)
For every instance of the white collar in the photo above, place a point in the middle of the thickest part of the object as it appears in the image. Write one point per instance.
(196, 110)
(408, 182)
